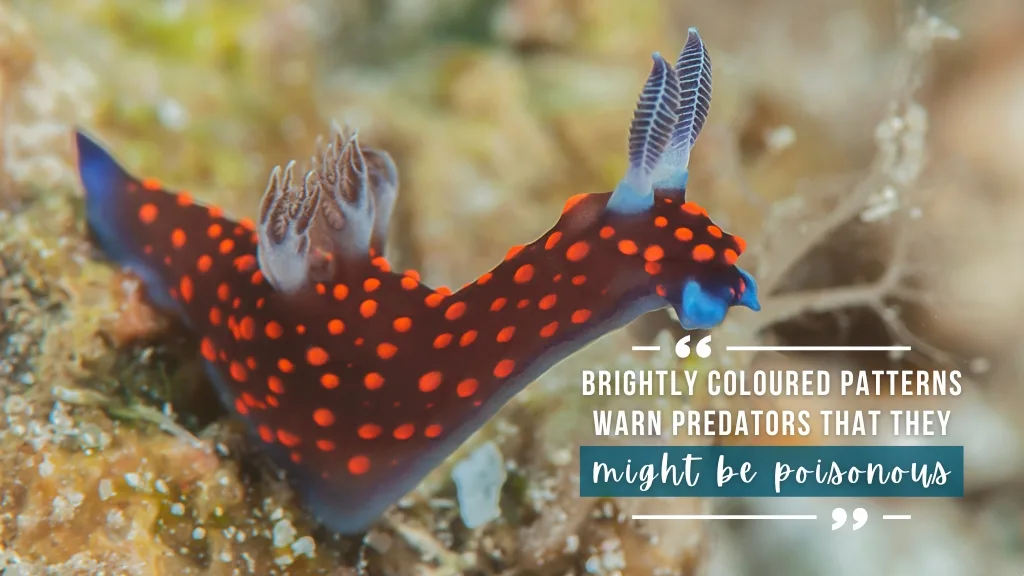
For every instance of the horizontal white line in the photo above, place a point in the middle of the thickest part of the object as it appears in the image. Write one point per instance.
(647, 348)
(724, 517)
(817, 348)
(895, 516)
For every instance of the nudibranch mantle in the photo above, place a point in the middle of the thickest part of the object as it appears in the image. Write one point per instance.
(359, 380)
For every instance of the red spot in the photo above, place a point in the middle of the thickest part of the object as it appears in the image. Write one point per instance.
(572, 201)
(660, 222)
(403, 324)
(250, 362)
(317, 356)
(275, 384)
(580, 316)
(215, 211)
(413, 274)
(335, 327)
(432, 431)
(730, 256)
(523, 303)
(240, 407)
(358, 465)
(208, 350)
(325, 445)
(273, 330)
(578, 280)
(248, 224)
(178, 238)
(484, 279)
(285, 365)
(204, 263)
(215, 316)
(506, 333)
(381, 264)
(368, 431)
(442, 341)
(703, 253)
(513, 252)
(214, 231)
(455, 311)
(245, 263)
(226, 245)
(371, 284)
(287, 438)
(523, 274)
(715, 231)
(329, 381)
(368, 308)
(467, 387)
(549, 330)
(468, 338)
(266, 434)
(498, 304)
(433, 300)
(373, 381)
(628, 247)
(653, 253)
(692, 208)
(430, 381)
(151, 184)
(323, 417)
(547, 302)
(247, 328)
(684, 234)
(652, 268)
(607, 232)
(552, 240)
(741, 244)
(340, 291)
(408, 283)
(444, 290)
(504, 368)
(185, 285)
(184, 198)
(148, 213)
(404, 432)
(238, 372)
(386, 350)
(577, 251)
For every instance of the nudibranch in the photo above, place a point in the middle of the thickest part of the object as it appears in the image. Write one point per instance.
(357, 379)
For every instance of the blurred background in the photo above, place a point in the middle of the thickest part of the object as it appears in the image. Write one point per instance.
(869, 151)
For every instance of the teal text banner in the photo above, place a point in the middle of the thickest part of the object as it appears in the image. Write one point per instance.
(772, 471)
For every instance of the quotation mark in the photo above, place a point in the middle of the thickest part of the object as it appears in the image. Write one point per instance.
(860, 518)
(703, 347)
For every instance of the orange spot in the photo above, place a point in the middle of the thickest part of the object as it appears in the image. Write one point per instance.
(432, 431)
(275, 384)
(340, 291)
(684, 234)
(215, 211)
(273, 330)
(498, 304)
(381, 263)
(184, 199)
(247, 328)
(547, 302)
(513, 252)
(660, 222)
(413, 274)
(215, 316)
(335, 327)
(386, 350)
(248, 224)
(300, 329)
(204, 263)
(317, 356)
(323, 417)
(150, 183)
(245, 263)
(467, 387)
(287, 438)
(266, 434)
(627, 247)
(523, 274)
(442, 341)
(652, 268)
(185, 285)
(484, 279)
(238, 372)
(249, 400)
(572, 201)
(703, 253)
(402, 324)
(660, 290)
(549, 330)
(715, 231)
(556, 278)
(741, 244)
(552, 240)
(692, 208)
(371, 284)
(368, 308)
(433, 300)
(523, 303)
(579, 280)
(285, 365)
(404, 432)
(329, 381)
(272, 400)
(148, 213)
(178, 238)
(607, 232)
(468, 338)
(580, 316)
(358, 465)
(730, 256)
(577, 251)
(325, 445)
(214, 231)
(295, 457)
(368, 431)
(208, 350)
(455, 311)
(653, 253)
(430, 381)
(373, 381)
(504, 368)
(226, 245)
(240, 407)
(409, 283)
(506, 333)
